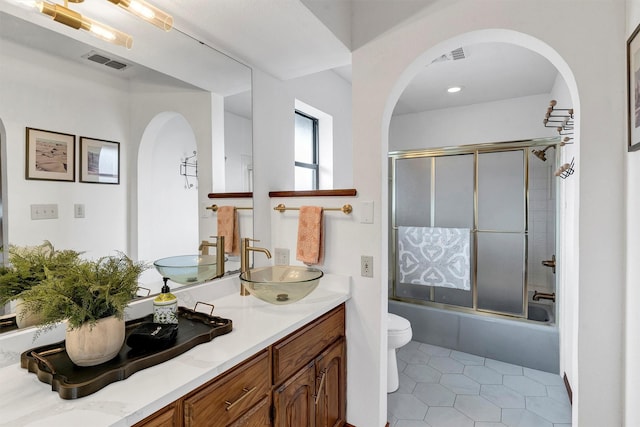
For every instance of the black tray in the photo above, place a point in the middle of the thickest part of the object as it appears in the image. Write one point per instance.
(52, 365)
(8, 323)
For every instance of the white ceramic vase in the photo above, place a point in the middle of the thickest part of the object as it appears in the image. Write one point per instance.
(92, 345)
(25, 318)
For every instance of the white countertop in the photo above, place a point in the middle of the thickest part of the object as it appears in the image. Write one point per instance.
(26, 401)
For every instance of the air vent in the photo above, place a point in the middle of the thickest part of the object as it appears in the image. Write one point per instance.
(109, 62)
(454, 55)
(116, 65)
(98, 58)
(457, 54)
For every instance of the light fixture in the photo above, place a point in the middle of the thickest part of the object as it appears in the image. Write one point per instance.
(147, 12)
(70, 18)
(454, 89)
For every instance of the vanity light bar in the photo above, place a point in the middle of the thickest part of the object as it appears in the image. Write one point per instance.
(77, 21)
(146, 11)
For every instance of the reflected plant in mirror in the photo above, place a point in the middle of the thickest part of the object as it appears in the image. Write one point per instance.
(28, 267)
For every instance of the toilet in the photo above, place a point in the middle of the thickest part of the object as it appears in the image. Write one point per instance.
(398, 334)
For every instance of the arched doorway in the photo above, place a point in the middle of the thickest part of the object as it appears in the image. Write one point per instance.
(567, 256)
(167, 200)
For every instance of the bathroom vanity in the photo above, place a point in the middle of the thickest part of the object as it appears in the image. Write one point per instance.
(277, 361)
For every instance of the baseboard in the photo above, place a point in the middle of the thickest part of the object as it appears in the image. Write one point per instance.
(351, 425)
(568, 387)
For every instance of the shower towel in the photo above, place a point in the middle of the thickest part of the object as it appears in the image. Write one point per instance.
(434, 256)
(228, 227)
(310, 248)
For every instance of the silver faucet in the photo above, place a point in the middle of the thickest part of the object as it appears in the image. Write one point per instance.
(219, 245)
(244, 258)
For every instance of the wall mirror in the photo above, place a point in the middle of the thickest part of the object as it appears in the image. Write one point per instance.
(166, 98)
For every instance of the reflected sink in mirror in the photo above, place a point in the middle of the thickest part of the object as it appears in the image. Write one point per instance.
(281, 284)
(188, 269)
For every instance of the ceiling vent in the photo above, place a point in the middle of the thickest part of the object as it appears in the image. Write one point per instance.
(101, 59)
(454, 55)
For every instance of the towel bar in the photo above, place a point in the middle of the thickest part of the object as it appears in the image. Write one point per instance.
(215, 208)
(346, 209)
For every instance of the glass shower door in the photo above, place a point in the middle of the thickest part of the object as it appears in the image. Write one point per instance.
(501, 232)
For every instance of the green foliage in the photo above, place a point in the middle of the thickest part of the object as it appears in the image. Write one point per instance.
(28, 267)
(87, 291)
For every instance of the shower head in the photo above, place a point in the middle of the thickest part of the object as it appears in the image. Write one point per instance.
(541, 153)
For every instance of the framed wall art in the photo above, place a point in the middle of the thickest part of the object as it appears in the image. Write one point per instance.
(50, 155)
(633, 91)
(99, 161)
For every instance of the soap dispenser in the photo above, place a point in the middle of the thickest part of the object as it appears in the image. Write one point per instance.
(165, 306)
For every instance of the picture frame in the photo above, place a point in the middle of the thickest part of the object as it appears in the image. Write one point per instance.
(50, 155)
(633, 91)
(99, 161)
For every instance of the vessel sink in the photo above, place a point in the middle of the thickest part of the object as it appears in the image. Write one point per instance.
(188, 269)
(281, 284)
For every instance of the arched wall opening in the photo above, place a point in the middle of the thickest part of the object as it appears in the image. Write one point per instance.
(167, 200)
(568, 190)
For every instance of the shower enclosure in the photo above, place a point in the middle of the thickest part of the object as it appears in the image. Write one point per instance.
(504, 194)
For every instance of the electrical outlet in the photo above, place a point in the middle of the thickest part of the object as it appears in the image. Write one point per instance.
(366, 266)
(281, 256)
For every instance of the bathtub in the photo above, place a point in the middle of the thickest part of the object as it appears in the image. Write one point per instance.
(534, 345)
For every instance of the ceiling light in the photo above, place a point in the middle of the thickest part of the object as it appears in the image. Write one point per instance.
(454, 89)
(147, 12)
(75, 20)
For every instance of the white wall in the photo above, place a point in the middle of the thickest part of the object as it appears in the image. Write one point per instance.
(632, 319)
(498, 121)
(237, 145)
(330, 94)
(381, 71)
(42, 91)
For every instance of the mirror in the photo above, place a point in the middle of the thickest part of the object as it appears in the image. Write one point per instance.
(168, 96)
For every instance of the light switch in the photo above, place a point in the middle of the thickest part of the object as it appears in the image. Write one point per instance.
(44, 211)
(366, 212)
(78, 210)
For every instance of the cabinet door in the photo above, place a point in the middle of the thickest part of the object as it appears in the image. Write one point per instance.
(332, 386)
(294, 400)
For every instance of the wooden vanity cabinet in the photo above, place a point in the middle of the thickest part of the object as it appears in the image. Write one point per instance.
(315, 395)
(300, 381)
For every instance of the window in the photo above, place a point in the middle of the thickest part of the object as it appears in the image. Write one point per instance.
(306, 152)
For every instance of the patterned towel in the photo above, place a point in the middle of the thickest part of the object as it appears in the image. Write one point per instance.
(310, 247)
(228, 227)
(434, 256)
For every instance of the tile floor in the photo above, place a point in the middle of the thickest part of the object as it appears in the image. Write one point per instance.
(446, 388)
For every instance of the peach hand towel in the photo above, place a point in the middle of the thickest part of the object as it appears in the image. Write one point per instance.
(310, 248)
(229, 228)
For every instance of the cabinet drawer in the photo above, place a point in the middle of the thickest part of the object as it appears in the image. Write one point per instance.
(258, 416)
(163, 418)
(299, 348)
(229, 397)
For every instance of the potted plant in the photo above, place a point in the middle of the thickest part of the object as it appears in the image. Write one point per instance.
(91, 296)
(28, 267)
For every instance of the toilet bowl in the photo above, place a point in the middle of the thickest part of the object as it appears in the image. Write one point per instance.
(398, 334)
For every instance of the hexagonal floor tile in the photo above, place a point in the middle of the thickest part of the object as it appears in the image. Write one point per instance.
(422, 373)
(406, 407)
(446, 365)
(478, 408)
(460, 384)
(434, 394)
(447, 417)
(502, 396)
(483, 375)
